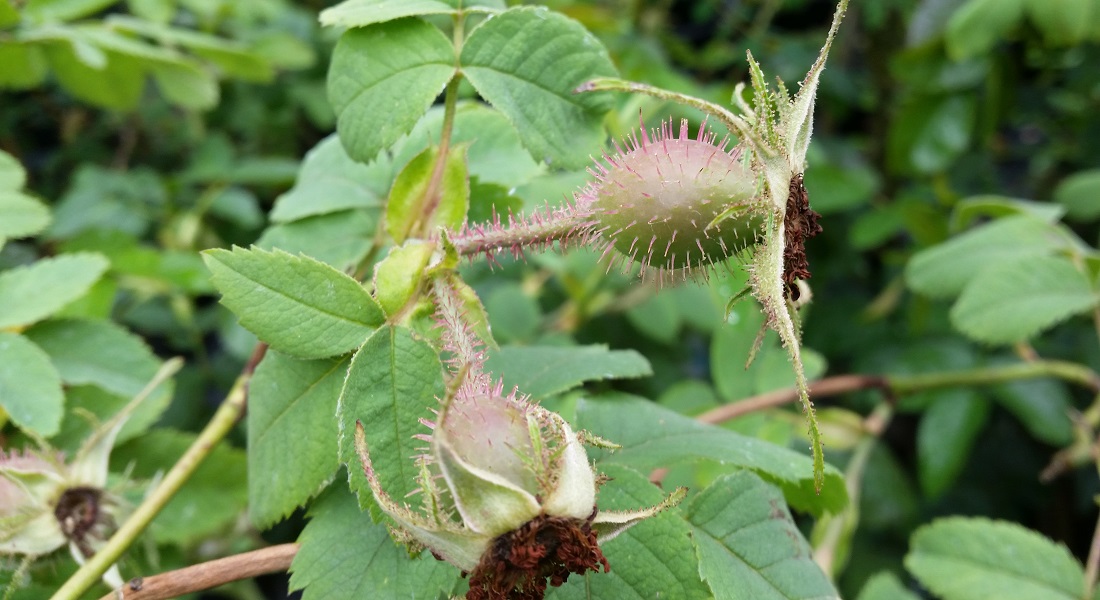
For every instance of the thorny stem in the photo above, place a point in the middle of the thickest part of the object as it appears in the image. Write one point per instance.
(207, 575)
(227, 415)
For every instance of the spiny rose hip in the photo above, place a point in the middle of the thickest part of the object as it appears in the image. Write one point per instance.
(657, 203)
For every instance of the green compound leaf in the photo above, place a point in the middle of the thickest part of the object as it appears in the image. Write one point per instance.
(344, 556)
(30, 388)
(652, 559)
(975, 559)
(749, 546)
(296, 304)
(394, 380)
(945, 269)
(330, 181)
(292, 450)
(12, 174)
(654, 437)
(526, 62)
(102, 354)
(383, 78)
(543, 371)
(211, 500)
(1014, 301)
(31, 293)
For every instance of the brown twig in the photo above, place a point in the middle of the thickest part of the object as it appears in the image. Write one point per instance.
(207, 575)
(818, 389)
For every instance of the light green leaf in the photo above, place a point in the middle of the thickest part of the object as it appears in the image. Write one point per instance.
(399, 275)
(340, 239)
(394, 380)
(945, 269)
(105, 355)
(21, 216)
(186, 85)
(654, 556)
(526, 62)
(296, 304)
(292, 450)
(1062, 22)
(383, 78)
(408, 203)
(543, 371)
(947, 432)
(748, 545)
(33, 292)
(30, 388)
(496, 154)
(118, 85)
(979, 25)
(63, 10)
(976, 559)
(208, 504)
(25, 65)
(885, 586)
(654, 437)
(12, 175)
(1014, 301)
(1080, 193)
(329, 180)
(344, 556)
(981, 207)
(514, 316)
(360, 13)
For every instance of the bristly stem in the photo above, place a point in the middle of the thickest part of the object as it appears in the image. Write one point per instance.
(537, 230)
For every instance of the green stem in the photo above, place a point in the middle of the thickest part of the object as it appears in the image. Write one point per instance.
(1069, 371)
(222, 422)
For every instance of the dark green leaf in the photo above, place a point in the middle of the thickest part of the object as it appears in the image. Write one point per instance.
(298, 305)
(110, 201)
(930, 133)
(394, 380)
(1042, 406)
(344, 556)
(292, 449)
(513, 314)
(748, 545)
(654, 437)
(31, 293)
(383, 78)
(948, 430)
(543, 371)
(977, 559)
(30, 388)
(526, 62)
